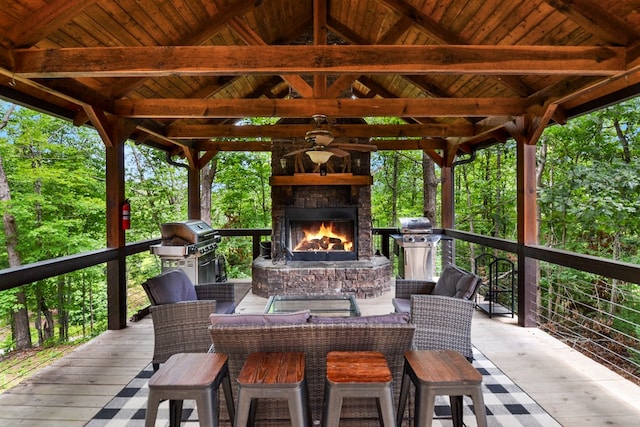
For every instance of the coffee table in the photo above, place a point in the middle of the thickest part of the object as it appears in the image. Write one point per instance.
(319, 305)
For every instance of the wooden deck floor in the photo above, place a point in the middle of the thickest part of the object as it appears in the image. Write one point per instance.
(573, 389)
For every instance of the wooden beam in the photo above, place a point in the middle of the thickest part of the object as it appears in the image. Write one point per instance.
(332, 59)
(101, 124)
(374, 107)
(175, 132)
(241, 146)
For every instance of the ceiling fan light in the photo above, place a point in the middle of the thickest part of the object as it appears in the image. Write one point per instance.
(319, 156)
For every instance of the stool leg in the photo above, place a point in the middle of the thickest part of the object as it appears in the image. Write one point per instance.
(333, 402)
(385, 406)
(242, 409)
(207, 405)
(478, 407)
(175, 413)
(425, 405)
(456, 410)
(404, 391)
(228, 396)
(152, 410)
(298, 407)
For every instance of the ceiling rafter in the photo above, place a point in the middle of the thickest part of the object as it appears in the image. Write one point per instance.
(596, 20)
(435, 31)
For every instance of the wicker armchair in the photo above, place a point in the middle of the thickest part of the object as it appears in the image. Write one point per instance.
(180, 313)
(453, 282)
(442, 323)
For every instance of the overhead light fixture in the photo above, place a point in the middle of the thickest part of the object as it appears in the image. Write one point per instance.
(319, 156)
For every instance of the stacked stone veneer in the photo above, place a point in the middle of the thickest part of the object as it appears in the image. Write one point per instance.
(364, 279)
(368, 276)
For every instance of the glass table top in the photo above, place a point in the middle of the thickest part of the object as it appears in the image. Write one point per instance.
(319, 305)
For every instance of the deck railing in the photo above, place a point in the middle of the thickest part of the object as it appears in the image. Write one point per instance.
(590, 303)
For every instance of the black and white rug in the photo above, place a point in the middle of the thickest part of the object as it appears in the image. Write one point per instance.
(506, 404)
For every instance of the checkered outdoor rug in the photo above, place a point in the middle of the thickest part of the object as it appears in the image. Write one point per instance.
(506, 404)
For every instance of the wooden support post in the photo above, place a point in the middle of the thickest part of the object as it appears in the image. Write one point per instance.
(522, 132)
(116, 269)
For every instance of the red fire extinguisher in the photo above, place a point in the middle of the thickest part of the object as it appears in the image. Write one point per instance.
(126, 215)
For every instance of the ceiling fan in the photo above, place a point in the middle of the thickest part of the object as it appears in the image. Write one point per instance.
(323, 144)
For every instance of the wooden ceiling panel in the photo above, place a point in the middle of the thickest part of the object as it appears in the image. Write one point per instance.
(462, 85)
(270, 20)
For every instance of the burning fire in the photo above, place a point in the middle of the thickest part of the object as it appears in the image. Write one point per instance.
(324, 239)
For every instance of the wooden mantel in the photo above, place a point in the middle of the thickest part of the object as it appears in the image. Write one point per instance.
(318, 179)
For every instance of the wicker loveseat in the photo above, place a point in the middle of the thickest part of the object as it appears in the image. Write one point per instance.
(316, 340)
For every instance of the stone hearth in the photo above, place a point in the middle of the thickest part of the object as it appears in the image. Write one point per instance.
(364, 279)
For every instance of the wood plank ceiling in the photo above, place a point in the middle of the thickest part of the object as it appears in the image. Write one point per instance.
(180, 75)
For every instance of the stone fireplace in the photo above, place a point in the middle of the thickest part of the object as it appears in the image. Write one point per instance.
(321, 240)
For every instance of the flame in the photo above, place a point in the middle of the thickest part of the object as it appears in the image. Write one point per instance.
(326, 237)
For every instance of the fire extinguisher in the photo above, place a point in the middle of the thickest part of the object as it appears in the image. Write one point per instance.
(126, 215)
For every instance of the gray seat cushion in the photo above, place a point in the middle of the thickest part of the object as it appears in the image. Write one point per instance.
(170, 287)
(401, 305)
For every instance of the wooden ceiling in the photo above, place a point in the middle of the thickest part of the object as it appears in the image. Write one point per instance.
(179, 75)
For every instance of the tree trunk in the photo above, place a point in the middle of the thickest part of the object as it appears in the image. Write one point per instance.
(208, 175)
(394, 188)
(472, 251)
(20, 316)
(430, 184)
(626, 153)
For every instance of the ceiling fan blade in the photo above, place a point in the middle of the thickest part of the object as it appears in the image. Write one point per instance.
(338, 152)
(302, 150)
(356, 147)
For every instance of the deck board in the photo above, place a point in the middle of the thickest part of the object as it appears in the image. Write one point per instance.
(572, 388)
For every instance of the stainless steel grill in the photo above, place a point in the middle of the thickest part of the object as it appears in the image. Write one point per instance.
(191, 246)
(415, 247)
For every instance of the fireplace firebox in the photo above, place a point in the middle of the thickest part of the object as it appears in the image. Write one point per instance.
(322, 234)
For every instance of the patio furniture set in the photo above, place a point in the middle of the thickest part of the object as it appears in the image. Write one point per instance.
(403, 340)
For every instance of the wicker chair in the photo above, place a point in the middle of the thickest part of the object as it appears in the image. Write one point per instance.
(442, 323)
(180, 313)
(453, 282)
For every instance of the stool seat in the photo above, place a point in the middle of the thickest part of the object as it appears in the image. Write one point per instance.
(357, 374)
(190, 376)
(273, 375)
(441, 372)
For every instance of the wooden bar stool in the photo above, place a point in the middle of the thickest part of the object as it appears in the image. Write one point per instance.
(190, 376)
(357, 374)
(279, 375)
(441, 372)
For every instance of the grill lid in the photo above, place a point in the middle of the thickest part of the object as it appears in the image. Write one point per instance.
(187, 232)
(415, 225)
